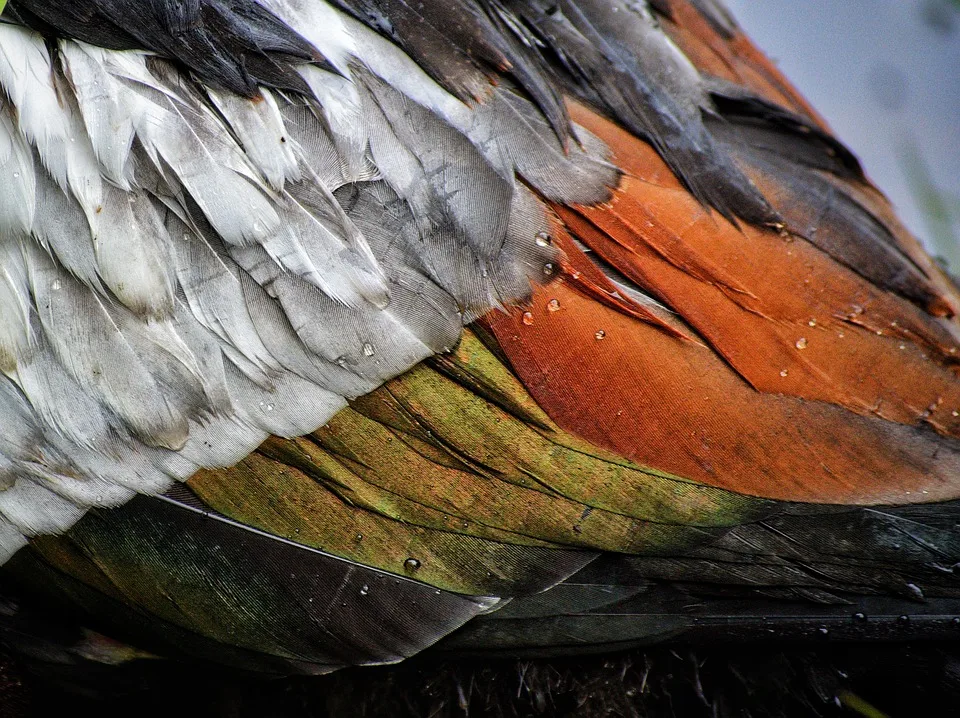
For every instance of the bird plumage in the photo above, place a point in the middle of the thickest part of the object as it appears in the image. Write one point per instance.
(523, 327)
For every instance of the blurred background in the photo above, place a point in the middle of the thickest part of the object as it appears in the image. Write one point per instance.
(886, 76)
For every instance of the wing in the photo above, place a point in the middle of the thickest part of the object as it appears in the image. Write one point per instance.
(703, 364)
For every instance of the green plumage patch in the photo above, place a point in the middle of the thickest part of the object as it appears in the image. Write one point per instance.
(449, 476)
(454, 466)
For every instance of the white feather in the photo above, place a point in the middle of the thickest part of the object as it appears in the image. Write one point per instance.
(16, 336)
(18, 199)
(324, 27)
(47, 118)
(106, 116)
(259, 126)
(11, 540)
(132, 253)
(34, 509)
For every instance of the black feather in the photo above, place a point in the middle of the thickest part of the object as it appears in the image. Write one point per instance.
(232, 44)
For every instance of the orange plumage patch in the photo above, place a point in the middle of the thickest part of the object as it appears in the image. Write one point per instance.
(783, 374)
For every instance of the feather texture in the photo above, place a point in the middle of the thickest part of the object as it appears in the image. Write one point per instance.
(706, 364)
(191, 278)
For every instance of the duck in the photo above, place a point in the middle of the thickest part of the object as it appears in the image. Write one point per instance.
(337, 332)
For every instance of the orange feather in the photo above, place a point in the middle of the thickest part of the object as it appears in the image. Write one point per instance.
(807, 381)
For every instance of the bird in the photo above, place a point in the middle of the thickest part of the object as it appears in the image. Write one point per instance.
(337, 332)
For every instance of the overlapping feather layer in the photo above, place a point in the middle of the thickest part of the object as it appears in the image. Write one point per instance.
(185, 271)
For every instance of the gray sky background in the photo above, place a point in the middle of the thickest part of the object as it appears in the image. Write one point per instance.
(886, 75)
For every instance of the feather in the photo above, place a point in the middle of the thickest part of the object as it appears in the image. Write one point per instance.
(262, 135)
(709, 375)
(83, 332)
(48, 119)
(16, 334)
(313, 610)
(237, 47)
(407, 140)
(110, 125)
(34, 509)
(16, 162)
(130, 247)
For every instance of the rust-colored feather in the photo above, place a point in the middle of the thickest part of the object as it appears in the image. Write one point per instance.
(805, 380)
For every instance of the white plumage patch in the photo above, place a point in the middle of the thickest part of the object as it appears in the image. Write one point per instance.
(184, 271)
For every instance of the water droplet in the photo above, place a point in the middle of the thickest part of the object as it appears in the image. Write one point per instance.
(364, 590)
(840, 335)
(368, 350)
(16, 175)
(548, 268)
(902, 347)
(812, 323)
(358, 537)
(915, 591)
(553, 305)
(527, 318)
(56, 284)
(955, 412)
(823, 630)
(631, 692)
(903, 619)
(600, 334)
(544, 239)
(783, 372)
(411, 564)
(860, 617)
(801, 343)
